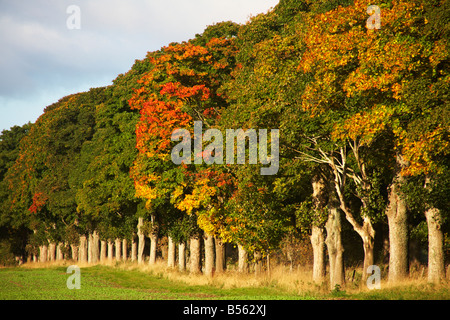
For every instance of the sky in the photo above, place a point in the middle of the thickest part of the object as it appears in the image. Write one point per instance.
(50, 49)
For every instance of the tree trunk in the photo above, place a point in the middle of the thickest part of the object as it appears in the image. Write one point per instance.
(35, 257)
(209, 255)
(141, 239)
(334, 246)
(243, 259)
(220, 255)
(153, 245)
(90, 250)
(124, 249)
(153, 240)
(398, 236)
(118, 249)
(257, 256)
(43, 253)
(182, 256)
(83, 249)
(317, 233)
(95, 248)
(318, 245)
(133, 249)
(195, 255)
(396, 213)
(436, 269)
(171, 253)
(110, 250)
(51, 251)
(59, 254)
(367, 234)
(74, 252)
(103, 251)
(365, 230)
(368, 243)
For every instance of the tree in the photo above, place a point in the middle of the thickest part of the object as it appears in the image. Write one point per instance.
(363, 76)
(105, 190)
(266, 93)
(14, 233)
(425, 139)
(183, 84)
(39, 191)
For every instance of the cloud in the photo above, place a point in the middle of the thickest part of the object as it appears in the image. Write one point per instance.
(42, 60)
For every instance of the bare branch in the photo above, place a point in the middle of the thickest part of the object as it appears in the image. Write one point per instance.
(310, 158)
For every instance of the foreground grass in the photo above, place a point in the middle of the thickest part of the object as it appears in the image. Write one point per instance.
(108, 283)
(128, 282)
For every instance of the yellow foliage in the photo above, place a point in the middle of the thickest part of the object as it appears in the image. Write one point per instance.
(420, 152)
(146, 192)
(363, 126)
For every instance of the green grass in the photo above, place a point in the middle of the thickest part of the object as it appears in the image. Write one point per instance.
(108, 283)
(112, 283)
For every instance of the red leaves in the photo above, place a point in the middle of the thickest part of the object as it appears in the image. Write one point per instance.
(158, 120)
(178, 85)
(175, 89)
(39, 200)
(186, 50)
(210, 113)
(170, 88)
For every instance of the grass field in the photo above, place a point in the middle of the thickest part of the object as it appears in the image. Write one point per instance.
(130, 282)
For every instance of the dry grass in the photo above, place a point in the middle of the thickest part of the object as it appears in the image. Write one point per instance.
(298, 281)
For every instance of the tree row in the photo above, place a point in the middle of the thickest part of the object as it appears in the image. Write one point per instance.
(362, 153)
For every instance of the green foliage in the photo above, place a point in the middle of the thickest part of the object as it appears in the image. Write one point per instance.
(6, 256)
(226, 29)
(9, 142)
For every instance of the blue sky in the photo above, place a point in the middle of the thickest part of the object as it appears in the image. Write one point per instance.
(42, 60)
